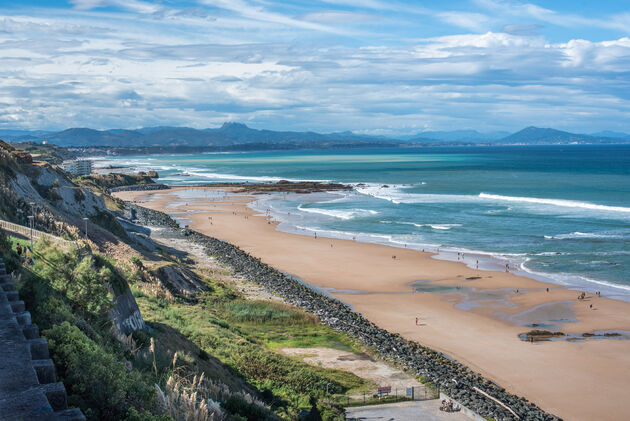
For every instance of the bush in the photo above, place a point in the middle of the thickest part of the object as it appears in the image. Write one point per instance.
(77, 279)
(97, 383)
(267, 367)
(10, 258)
(250, 411)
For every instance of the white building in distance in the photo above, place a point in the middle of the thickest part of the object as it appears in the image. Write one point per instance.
(78, 166)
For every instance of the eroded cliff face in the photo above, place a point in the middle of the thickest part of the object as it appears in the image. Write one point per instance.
(51, 186)
(58, 204)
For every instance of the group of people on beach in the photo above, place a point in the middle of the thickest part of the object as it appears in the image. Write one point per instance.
(582, 297)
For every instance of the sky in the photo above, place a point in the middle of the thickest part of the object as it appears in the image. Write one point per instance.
(369, 66)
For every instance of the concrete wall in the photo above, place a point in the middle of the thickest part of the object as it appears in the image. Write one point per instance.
(126, 314)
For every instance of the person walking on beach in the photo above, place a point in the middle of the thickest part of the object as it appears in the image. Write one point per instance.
(416, 321)
(507, 268)
(477, 264)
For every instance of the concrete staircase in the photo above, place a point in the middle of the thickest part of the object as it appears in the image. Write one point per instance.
(28, 390)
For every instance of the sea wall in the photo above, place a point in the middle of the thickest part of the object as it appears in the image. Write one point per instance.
(455, 379)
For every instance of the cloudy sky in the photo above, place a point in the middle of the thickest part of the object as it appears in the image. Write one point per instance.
(370, 66)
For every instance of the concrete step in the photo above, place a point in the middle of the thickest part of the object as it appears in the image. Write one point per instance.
(39, 348)
(30, 404)
(6, 312)
(30, 331)
(23, 318)
(17, 306)
(73, 414)
(45, 370)
(12, 295)
(6, 285)
(56, 395)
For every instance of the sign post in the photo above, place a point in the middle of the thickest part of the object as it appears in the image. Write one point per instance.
(384, 390)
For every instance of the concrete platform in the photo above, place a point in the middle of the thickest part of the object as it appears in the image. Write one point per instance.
(404, 411)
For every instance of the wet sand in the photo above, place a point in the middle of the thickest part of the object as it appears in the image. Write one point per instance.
(477, 322)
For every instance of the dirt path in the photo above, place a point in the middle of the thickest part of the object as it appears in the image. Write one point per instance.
(362, 365)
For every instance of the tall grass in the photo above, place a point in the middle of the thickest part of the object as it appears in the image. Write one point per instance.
(267, 312)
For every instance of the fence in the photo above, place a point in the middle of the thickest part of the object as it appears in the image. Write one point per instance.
(387, 394)
(26, 232)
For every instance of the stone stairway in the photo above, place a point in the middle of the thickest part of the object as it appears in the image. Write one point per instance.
(28, 390)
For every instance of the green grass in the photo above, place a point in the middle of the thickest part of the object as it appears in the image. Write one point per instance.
(278, 325)
(244, 335)
(261, 312)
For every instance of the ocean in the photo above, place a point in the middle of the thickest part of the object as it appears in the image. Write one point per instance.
(555, 213)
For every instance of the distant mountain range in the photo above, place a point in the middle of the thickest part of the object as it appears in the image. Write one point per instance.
(239, 135)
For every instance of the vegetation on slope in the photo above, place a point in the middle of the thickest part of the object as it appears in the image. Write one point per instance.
(50, 153)
(243, 335)
(230, 340)
(102, 182)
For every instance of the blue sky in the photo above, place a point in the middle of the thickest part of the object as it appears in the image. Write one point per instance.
(370, 66)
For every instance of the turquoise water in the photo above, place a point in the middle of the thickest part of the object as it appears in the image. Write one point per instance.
(555, 213)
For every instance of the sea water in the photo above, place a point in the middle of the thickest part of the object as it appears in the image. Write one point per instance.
(559, 213)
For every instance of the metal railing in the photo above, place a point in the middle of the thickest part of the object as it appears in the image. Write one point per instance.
(36, 234)
(383, 396)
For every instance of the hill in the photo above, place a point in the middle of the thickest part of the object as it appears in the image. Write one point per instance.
(229, 134)
(472, 136)
(238, 136)
(536, 135)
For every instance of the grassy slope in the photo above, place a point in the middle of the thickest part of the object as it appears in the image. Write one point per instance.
(243, 335)
(230, 339)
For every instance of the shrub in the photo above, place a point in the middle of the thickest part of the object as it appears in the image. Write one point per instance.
(96, 381)
(250, 411)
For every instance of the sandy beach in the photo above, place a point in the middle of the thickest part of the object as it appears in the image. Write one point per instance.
(472, 315)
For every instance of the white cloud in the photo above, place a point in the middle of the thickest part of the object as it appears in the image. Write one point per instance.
(529, 10)
(137, 6)
(472, 21)
(290, 69)
(338, 17)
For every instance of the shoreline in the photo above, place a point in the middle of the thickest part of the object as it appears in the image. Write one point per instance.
(476, 336)
(473, 259)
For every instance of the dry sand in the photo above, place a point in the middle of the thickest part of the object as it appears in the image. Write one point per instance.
(574, 380)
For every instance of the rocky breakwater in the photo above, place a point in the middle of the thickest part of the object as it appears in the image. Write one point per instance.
(453, 378)
(282, 186)
(140, 187)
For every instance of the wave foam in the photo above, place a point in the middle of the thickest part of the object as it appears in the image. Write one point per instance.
(341, 214)
(556, 202)
(220, 176)
(583, 235)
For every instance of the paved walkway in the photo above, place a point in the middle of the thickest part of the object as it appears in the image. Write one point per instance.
(404, 411)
